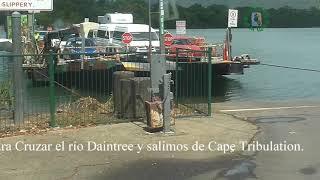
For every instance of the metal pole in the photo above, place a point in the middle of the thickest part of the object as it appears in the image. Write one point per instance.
(18, 73)
(33, 25)
(176, 74)
(209, 80)
(166, 103)
(158, 62)
(31, 21)
(229, 43)
(83, 43)
(127, 52)
(150, 41)
(30, 35)
(161, 27)
(52, 91)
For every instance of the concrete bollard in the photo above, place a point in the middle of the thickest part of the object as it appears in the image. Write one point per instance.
(127, 99)
(117, 76)
(141, 86)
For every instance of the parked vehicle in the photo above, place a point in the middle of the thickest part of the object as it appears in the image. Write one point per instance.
(104, 36)
(140, 37)
(139, 47)
(74, 48)
(56, 40)
(189, 48)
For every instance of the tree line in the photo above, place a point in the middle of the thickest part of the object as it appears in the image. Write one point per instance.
(197, 16)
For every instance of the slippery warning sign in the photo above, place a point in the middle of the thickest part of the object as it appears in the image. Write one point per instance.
(26, 5)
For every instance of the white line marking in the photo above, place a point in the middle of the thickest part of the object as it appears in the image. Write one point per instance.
(264, 109)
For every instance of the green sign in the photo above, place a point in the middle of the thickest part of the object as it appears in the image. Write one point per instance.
(256, 19)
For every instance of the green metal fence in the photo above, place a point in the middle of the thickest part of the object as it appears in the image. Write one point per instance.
(59, 91)
(56, 93)
(193, 82)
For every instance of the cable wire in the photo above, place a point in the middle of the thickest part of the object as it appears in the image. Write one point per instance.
(288, 67)
(64, 87)
(68, 89)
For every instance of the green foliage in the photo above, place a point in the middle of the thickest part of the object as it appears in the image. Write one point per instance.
(197, 16)
(73, 12)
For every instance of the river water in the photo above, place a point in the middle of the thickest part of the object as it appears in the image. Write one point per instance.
(287, 47)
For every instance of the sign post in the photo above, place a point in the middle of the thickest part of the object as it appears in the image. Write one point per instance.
(161, 28)
(232, 22)
(126, 39)
(32, 6)
(16, 22)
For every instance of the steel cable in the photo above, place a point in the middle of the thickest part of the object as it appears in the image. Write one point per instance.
(61, 85)
(288, 67)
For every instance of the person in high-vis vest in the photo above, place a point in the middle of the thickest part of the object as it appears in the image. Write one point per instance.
(37, 36)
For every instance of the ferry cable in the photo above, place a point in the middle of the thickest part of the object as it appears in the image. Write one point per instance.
(288, 67)
(64, 87)
(68, 89)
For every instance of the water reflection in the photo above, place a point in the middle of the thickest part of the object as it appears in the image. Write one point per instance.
(192, 84)
(196, 91)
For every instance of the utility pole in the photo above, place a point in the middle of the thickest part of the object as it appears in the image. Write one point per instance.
(150, 41)
(229, 39)
(167, 96)
(161, 28)
(160, 80)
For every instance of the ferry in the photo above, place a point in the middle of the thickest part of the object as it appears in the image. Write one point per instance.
(107, 33)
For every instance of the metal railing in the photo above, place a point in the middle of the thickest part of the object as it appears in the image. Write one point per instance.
(193, 82)
(79, 92)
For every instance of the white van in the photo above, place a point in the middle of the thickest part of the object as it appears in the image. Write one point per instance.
(140, 36)
(103, 36)
(105, 31)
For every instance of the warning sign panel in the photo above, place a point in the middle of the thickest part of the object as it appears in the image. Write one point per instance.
(26, 5)
(233, 18)
(181, 27)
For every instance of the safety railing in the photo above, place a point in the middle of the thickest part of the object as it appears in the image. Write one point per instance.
(76, 89)
(193, 82)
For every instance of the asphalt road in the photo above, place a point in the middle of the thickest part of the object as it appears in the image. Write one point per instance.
(293, 122)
